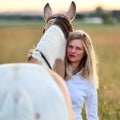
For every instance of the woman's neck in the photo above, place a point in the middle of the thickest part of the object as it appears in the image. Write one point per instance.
(75, 68)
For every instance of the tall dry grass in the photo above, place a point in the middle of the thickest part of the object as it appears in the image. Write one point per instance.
(16, 41)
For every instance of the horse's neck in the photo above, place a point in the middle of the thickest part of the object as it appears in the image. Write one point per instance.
(52, 44)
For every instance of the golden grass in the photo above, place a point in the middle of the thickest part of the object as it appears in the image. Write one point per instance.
(15, 43)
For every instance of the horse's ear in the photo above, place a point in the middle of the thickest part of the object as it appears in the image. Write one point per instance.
(71, 12)
(47, 11)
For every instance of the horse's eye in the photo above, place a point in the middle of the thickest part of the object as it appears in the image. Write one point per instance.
(43, 31)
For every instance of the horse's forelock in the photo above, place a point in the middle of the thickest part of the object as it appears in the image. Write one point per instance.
(64, 24)
(60, 20)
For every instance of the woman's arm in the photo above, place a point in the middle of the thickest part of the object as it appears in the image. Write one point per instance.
(92, 104)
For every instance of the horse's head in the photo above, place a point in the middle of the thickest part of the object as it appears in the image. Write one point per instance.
(66, 18)
(51, 48)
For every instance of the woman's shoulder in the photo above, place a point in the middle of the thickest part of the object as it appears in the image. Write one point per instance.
(90, 86)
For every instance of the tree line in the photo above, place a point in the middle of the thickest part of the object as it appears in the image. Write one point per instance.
(108, 17)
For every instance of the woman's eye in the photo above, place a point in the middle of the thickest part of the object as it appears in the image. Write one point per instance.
(70, 46)
(78, 48)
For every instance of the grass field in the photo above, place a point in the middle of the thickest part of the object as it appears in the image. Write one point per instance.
(16, 38)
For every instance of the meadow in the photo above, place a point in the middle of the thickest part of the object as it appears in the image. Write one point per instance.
(17, 37)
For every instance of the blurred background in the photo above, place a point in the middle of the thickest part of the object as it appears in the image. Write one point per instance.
(21, 26)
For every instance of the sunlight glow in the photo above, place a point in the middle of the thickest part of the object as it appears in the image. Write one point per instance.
(57, 5)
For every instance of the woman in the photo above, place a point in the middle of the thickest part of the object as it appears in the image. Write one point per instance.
(81, 76)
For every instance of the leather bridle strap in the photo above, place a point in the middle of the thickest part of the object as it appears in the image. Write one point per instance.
(45, 59)
(55, 16)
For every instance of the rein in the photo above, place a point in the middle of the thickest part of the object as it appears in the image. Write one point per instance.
(30, 57)
(44, 59)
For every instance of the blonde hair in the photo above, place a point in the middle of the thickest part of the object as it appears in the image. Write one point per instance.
(89, 62)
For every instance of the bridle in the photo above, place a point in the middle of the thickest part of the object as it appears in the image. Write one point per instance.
(55, 16)
(64, 24)
(62, 21)
(45, 59)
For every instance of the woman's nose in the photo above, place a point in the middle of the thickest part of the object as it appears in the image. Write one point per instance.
(73, 49)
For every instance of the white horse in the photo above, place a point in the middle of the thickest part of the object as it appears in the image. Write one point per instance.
(30, 92)
(50, 51)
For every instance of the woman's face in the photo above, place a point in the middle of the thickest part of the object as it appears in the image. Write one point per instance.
(75, 51)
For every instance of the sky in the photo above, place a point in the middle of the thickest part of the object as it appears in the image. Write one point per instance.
(56, 5)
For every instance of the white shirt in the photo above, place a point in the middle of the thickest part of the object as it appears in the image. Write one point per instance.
(82, 91)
